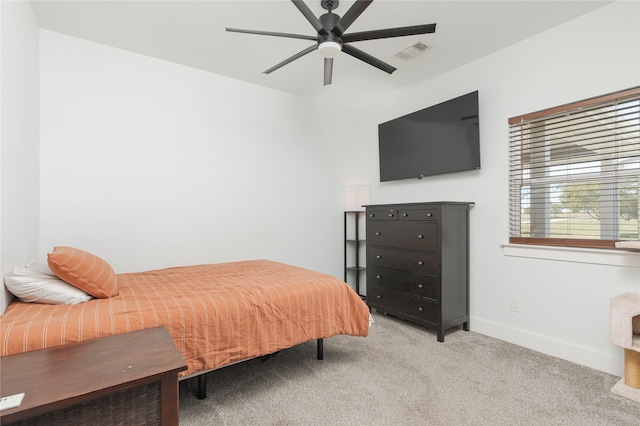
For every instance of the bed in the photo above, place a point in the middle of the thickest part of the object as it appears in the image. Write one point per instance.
(216, 314)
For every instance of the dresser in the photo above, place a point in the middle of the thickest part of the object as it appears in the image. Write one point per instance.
(418, 262)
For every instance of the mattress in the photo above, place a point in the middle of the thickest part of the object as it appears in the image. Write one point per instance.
(216, 314)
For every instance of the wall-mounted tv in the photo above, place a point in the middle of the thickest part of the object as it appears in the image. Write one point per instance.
(444, 138)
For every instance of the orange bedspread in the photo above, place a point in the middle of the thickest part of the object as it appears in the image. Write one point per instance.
(216, 314)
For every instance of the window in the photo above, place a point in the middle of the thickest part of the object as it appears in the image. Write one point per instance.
(574, 173)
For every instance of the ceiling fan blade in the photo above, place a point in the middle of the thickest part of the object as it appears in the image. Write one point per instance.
(365, 57)
(291, 59)
(269, 33)
(351, 15)
(389, 32)
(313, 20)
(328, 70)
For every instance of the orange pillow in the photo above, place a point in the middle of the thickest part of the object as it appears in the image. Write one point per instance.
(83, 270)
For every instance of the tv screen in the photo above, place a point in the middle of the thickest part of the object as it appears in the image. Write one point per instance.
(444, 138)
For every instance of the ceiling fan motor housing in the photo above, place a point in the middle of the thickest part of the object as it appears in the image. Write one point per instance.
(329, 45)
(329, 20)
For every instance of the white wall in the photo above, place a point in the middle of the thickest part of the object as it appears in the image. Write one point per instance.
(151, 164)
(564, 305)
(19, 132)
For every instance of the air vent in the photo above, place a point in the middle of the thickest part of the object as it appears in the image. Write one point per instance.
(412, 51)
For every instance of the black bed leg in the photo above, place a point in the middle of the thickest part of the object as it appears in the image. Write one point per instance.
(202, 386)
(320, 349)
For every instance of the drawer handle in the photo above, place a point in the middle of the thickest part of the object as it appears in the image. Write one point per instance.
(378, 297)
(420, 309)
(390, 214)
(372, 215)
(378, 277)
(419, 285)
(429, 214)
(420, 262)
(378, 257)
(405, 214)
(378, 233)
(420, 236)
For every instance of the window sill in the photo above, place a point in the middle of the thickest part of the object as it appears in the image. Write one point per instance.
(613, 257)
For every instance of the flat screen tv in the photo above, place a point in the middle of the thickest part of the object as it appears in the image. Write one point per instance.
(444, 138)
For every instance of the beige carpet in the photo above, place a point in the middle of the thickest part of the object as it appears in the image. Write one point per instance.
(400, 375)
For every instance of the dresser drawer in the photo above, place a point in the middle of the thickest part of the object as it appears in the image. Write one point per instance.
(406, 235)
(388, 301)
(382, 214)
(405, 282)
(422, 214)
(413, 261)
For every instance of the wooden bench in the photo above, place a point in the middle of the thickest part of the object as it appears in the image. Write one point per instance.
(130, 378)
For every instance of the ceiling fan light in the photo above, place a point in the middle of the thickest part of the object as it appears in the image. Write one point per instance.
(329, 49)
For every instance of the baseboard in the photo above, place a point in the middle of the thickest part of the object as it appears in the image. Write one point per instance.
(606, 362)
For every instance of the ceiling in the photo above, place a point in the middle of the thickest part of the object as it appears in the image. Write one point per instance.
(193, 33)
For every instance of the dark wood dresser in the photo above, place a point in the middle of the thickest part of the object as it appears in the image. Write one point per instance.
(126, 379)
(418, 262)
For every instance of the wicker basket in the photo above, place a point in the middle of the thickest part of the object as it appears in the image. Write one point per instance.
(134, 406)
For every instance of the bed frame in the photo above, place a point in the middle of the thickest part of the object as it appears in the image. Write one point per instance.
(201, 391)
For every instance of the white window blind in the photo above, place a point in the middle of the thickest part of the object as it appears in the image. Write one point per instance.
(574, 173)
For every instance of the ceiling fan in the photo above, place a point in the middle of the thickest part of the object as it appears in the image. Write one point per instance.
(331, 38)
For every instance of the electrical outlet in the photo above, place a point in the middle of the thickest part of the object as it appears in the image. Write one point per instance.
(514, 304)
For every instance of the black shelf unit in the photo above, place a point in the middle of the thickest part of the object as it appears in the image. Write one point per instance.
(353, 245)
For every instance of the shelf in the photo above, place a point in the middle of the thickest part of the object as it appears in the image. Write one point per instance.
(353, 245)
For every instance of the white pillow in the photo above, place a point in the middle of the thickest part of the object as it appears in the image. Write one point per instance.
(38, 284)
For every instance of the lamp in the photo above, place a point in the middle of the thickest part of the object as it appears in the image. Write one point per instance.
(329, 49)
(355, 196)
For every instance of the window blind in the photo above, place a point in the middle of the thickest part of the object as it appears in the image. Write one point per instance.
(574, 172)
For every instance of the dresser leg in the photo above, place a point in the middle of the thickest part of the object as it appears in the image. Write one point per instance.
(465, 326)
(440, 335)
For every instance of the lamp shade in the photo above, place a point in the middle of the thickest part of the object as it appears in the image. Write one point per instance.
(355, 197)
